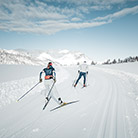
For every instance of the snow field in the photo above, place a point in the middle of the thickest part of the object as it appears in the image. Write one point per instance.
(107, 108)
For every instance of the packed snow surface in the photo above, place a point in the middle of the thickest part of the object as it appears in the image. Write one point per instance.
(107, 107)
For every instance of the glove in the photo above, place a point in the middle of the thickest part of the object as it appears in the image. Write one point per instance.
(78, 71)
(87, 72)
(54, 79)
(40, 80)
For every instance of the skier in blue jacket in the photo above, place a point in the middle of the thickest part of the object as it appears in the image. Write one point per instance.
(49, 79)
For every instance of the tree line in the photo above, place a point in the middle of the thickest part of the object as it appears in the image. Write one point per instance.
(126, 60)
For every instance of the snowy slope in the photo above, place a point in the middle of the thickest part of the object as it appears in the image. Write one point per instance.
(108, 107)
(18, 57)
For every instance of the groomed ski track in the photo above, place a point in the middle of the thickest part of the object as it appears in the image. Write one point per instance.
(107, 108)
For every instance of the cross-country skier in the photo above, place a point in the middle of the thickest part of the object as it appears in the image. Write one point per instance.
(83, 71)
(50, 78)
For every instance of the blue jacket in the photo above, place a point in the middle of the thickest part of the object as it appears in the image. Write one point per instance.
(48, 72)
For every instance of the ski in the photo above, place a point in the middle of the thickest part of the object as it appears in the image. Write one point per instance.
(46, 104)
(64, 105)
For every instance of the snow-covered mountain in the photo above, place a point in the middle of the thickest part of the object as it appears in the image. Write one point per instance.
(17, 57)
(62, 57)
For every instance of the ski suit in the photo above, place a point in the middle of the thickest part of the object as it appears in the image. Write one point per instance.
(50, 78)
(83, 70)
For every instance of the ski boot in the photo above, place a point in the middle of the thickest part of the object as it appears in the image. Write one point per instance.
(61, 102)
(75, 85)
(84, 85)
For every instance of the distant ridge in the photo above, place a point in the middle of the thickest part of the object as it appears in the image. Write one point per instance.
(38, 57)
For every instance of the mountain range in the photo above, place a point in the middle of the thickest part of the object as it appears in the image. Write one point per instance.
(39, 57)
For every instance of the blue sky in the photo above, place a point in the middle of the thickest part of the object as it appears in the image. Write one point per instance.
(101, 29)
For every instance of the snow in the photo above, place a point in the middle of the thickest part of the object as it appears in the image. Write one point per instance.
(16, 72)
(44, 56)
(107, 108)
(61, 57)
(64, 51)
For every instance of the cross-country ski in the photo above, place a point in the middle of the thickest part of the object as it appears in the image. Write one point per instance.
(64, 104)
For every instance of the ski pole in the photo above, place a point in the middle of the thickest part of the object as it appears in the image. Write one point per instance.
(50, 89)
(48, 96)
(75, 79)
(87, 79)
(27, 92)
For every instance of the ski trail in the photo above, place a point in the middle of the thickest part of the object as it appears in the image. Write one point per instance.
(111, 118)
(106, 115)
(108, 108)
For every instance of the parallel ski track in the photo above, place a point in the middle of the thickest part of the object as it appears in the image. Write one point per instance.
(107, 109)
